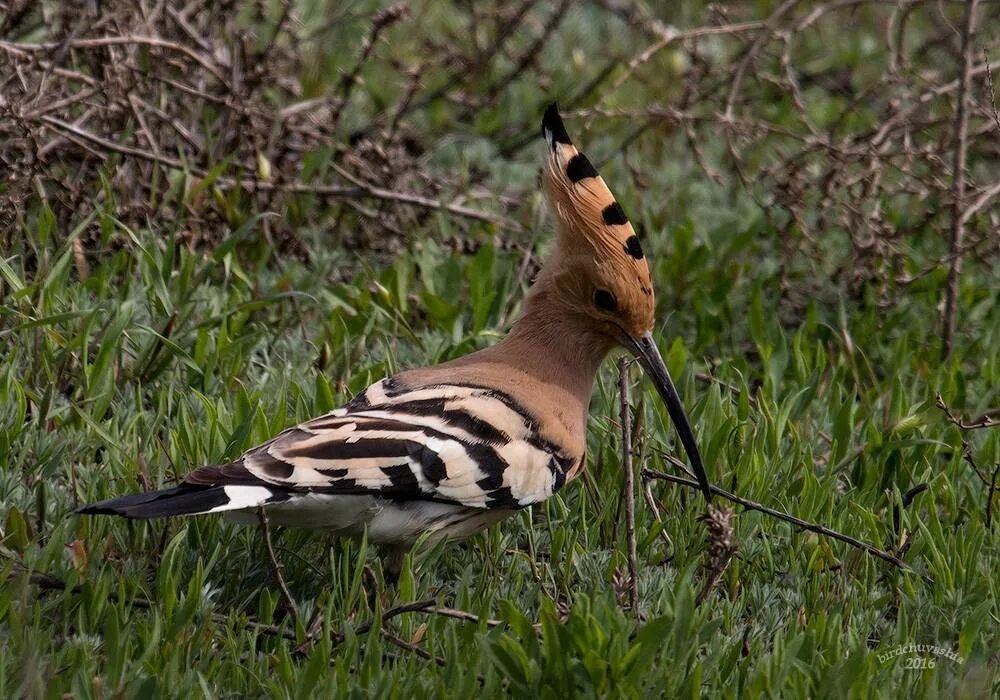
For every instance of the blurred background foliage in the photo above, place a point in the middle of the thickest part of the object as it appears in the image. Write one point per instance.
(217, 219)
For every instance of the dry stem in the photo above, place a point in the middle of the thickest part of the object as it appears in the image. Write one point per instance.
(626, 424)
(278, 569)
(798, 522)
(958, 180)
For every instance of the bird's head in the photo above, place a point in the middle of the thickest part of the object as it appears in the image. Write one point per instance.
(598, 265)
(598, 268)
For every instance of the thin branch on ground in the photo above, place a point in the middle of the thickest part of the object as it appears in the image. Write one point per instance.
(313, 632)
(276, 567)
(422, 653)
(415, 606)
(798, 522)
(467, 616)
(990, 483)
(647, 492)
(987, 420)
(624, 401)
(994, 490)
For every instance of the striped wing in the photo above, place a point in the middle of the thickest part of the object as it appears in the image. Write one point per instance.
(456, 443)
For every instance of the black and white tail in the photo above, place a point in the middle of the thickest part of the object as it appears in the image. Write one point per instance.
(186, 499)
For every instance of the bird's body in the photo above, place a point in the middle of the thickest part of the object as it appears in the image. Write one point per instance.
(451, 449)
(439, 450)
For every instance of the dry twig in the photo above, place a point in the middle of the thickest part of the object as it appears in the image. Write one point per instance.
(798, 522)
(958, 180)
(624, 401)
(277, 568)
(721, 547)
(135, 84)
(987, 420)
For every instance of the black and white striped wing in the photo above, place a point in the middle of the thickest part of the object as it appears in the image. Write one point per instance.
(462, 444)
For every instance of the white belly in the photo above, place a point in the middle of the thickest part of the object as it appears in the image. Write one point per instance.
(387, 521)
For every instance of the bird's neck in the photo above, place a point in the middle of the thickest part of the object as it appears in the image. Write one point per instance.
(554, 344)
(547, 363)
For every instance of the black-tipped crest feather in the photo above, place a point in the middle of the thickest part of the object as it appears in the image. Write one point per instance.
(553, 129)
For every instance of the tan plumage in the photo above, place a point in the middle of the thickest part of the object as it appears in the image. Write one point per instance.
(453, 448)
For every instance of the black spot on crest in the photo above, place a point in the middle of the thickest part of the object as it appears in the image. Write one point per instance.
(614, 215)
(633, 247)
(580, 168)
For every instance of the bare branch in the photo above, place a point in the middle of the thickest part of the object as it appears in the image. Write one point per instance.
(336, 191)
(798, 522)
(958, 181)
(987, 420)
(276, 566)
(626, 424)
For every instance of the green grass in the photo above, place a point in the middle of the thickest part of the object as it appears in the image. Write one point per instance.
(95, 399)
(167, 357)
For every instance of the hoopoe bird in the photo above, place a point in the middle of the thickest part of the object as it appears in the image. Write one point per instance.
(448, 450)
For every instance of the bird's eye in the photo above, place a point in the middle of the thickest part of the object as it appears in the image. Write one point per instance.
(605, 300)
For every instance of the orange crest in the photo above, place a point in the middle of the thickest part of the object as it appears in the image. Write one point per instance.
(598, 250)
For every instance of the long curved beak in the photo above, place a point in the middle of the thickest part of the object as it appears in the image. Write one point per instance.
(649, 357)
